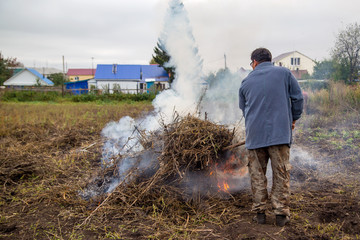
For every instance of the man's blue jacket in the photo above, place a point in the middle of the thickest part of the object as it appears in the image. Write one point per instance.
(270, 99)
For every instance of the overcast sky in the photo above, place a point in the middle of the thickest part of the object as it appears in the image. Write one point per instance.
(40, 32)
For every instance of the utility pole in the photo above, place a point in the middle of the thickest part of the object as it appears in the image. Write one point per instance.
(63, 81)
(92, 66)
(225, 60)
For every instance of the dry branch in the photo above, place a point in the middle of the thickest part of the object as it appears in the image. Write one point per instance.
(192, 144)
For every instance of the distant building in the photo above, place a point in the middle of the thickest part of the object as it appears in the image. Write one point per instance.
(299, 64)
(129, 78)
(28, 77)
(79, 74)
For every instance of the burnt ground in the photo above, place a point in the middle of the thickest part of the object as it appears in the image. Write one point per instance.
(44, 167)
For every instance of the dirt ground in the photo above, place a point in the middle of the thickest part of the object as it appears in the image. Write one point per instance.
(45, 166)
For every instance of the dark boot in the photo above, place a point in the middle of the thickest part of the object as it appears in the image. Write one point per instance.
(282, 220)
(260, 218)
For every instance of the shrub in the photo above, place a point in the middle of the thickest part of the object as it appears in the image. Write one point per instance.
(353, 96)
(337, 98)
(118, 97)
(83, 98)
(25, 96)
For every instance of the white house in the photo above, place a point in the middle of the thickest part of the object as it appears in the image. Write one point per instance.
(124, 78)
(297, 62)
(28, 77)
(128, 78)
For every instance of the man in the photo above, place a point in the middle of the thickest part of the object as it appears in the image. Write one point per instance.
(271, 101)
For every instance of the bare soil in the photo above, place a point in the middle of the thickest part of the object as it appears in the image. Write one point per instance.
(43, 167)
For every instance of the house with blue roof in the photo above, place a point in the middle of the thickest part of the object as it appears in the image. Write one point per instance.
(28, 77)
(128, 78)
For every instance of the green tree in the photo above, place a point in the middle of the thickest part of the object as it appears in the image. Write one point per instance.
(57, 78)
(341, 71)
(5, 67)
(331, 69)
(324, 69)
(346, 51)
(152, 61)
(161, 57)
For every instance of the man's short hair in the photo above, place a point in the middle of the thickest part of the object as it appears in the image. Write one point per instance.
(261, 55)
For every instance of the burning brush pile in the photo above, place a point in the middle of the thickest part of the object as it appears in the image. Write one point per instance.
(187, 159)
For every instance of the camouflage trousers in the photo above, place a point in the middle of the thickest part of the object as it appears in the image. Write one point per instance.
(280, 192)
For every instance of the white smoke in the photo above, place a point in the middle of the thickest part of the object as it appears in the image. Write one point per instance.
(179, 43)
(188, 87)
(121, 138)
(221, 99)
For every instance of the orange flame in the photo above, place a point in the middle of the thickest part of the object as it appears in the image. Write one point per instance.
(227, 173)
(224, 186)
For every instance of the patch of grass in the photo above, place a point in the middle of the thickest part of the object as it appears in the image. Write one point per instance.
(332, 230)
(91, 116)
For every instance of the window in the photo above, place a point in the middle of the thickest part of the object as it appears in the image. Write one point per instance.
(295, 61)
(76, 78)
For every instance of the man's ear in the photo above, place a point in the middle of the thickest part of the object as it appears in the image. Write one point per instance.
(255, 63)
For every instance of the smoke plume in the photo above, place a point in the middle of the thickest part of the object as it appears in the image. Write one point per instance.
(186, 91)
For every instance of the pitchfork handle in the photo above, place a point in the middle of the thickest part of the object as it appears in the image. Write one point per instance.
(234, 145)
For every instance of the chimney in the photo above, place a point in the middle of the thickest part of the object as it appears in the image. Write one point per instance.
(114, 68)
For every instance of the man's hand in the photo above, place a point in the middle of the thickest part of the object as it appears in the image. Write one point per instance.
(293, 125)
